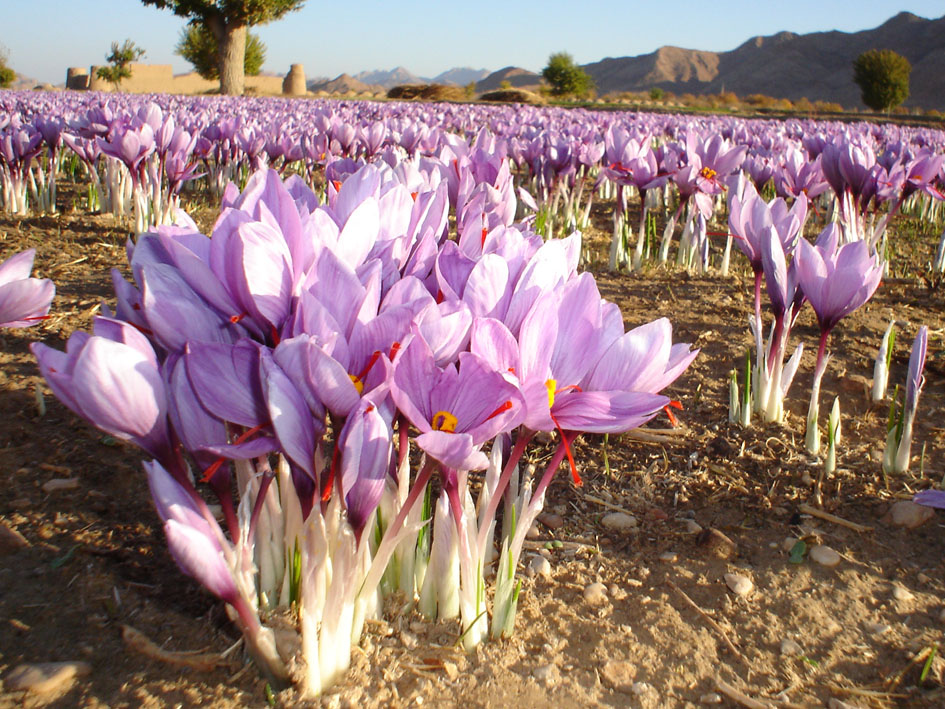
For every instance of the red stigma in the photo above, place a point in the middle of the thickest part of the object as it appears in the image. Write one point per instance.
(394, 349)
(502, 409)
(567, 449)
(672, 405)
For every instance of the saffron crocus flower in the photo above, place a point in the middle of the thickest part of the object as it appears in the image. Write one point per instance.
(899, 440)
(456, 409)
(930, 498)
(836, 284)
(116, 386)
(24, 301)
(201, 551)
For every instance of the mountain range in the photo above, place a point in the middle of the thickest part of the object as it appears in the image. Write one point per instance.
(818, 66)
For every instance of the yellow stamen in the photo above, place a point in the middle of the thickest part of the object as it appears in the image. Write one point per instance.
(444, 421)
(708, 173)
(358, 384)
(551, 385)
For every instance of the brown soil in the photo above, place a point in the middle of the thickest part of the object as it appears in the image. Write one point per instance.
(96, 558)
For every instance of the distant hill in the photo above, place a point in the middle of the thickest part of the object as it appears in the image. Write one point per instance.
(343, 84)
(518, 78)
(395, 77)
(460, 76)
(818, 66)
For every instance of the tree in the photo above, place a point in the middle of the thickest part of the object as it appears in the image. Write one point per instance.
(883, 78)
(121, 56)
(199, 47)
(565, 77)
(228, 20)
(7, 75)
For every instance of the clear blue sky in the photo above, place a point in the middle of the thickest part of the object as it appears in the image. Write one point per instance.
(44, 37)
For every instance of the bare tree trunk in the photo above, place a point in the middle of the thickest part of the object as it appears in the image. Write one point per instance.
(231, 43)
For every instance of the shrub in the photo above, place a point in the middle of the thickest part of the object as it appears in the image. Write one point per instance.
(565, 77)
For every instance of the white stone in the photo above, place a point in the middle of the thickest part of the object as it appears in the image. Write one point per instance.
(44, 677)
(876, 628)
(619, 521)
(711, 698)
(668, 557)
(738, 584)
(790, 648)
(59, 484)
(789, 543)
(595, 594)
(824, 555)
(693, 527)
(540, 566)
(641, 688)
(906, 513)
(901, 593)
(546, 674)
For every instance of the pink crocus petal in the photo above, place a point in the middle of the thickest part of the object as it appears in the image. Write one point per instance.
(492, 341)
(121, 392)
(606, 411)
(226, 380)
(365, 460)
(930, 498)
(454, 450)
(17, 267)
(359, 233)
(25, 302)
(445, 327)
(291, 419)
(198, 557)
(487, 289)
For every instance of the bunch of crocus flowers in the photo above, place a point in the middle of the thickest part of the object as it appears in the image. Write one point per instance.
(323, 368)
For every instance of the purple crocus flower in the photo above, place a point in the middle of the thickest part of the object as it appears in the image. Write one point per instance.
(456, 409)
(836, 282)
(24, 301)
(115, 385)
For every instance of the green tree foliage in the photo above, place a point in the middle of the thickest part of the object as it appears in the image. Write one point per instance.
(883, 78)
(199, 47)
(565, 77)
(228, 20)
(118, 62)
(7, 75)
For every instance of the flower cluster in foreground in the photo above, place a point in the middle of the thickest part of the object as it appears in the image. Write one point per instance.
(319, 364)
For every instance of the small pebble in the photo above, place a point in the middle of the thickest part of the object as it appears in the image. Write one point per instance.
(789, 543)
(711, 698)
(617, 593)
(533, 532)
(43, 677)
(619, 521)
(876, 628)
(738, 584)
(790, 648)
(941, 616)
(618, 675)
(824, 555)
(546, 674)
(451, 670)
(551, 520)
(595, 594)
(668, 557)
(908, 514)
(60, 484)
(641, 688)
(409, 640)
(11, 540)
(540, 566)
(693, 527)
(835, 703)
(901, 593)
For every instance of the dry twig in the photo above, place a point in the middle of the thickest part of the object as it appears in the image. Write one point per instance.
(138, 641)
(814, 512)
